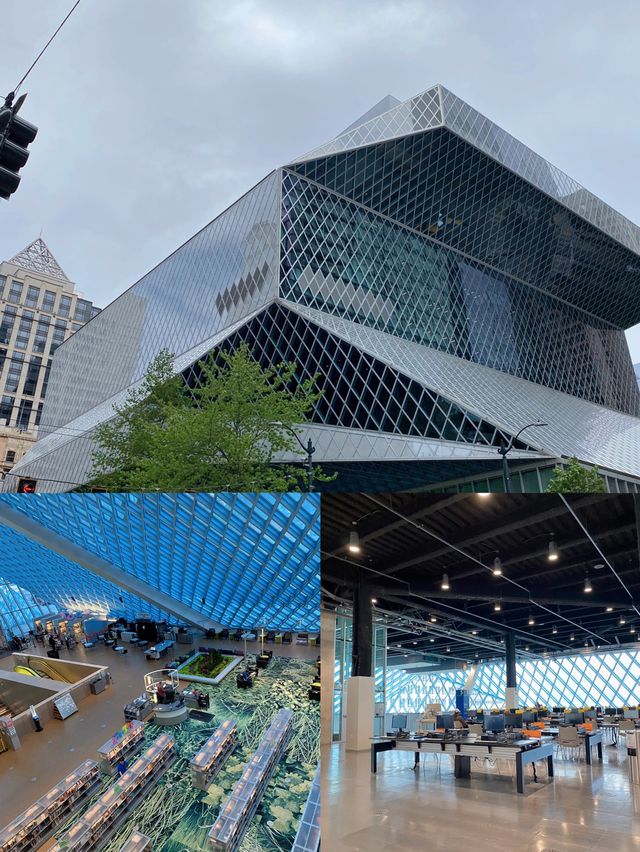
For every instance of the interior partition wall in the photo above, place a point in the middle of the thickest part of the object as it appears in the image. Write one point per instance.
(598, 678)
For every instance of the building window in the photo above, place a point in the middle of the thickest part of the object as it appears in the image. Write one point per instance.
(83, 312)
(48, 301)
(10, 456)
(33, 294)
(33, 374)
(6, 409)
(15, 293)
(42, 331)
(13, 374)
(64, 308)
(39, 413)
(24, 414)
(58, 336)
(3, 279)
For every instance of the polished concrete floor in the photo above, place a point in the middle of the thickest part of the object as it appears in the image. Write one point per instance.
(45, 758)
(584, 808)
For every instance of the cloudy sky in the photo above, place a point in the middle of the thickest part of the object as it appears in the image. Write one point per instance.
(155, 115)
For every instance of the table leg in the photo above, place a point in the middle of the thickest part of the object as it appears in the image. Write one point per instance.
(462, 766)
(374, 759)
(587, 746)
(519, 774)
(416, 761)
(600, 752)
(550, 766)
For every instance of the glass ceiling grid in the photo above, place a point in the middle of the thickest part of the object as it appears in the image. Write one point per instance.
(263, 548)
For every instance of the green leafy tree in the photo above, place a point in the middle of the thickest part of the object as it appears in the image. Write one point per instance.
(573, 478)
(221, 435)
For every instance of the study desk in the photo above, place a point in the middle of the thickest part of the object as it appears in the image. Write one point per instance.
(464, 748)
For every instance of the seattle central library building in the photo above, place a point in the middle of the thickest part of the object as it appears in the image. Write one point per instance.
(448, 285)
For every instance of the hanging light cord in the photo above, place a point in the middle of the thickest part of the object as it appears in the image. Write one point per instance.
(35, 61)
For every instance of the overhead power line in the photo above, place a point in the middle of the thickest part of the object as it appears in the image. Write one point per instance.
(35, 61)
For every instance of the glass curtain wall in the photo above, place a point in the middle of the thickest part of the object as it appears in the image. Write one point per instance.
(19, 609)
(607, 679)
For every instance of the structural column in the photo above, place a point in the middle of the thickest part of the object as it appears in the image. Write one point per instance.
(360, 691)
(327, 663)
(511, 693)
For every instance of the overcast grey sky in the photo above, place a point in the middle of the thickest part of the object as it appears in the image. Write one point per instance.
(155, 115)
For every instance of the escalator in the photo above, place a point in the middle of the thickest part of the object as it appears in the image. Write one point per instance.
(40, 668)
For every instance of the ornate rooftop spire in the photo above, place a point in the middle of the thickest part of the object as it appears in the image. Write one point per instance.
(37, 257)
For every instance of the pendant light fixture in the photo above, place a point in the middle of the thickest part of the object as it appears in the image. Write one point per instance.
(354, 542)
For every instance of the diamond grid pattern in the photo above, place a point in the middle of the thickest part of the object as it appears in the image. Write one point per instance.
(506, 149)
(596, 435)
(64, 584)
(410, 693)
(240, 559)
(341, 258)
(220, 275)
(359, 391)
(420, 113)
(452, 285)
(476, 129)
(608, 679)
(19, 608)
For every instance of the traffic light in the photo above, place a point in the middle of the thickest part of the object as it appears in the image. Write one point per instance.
(16, 135)
(27, 486)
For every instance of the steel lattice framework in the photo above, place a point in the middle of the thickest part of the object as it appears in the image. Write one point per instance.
(447, 285)
(238, 559)
(609, 679)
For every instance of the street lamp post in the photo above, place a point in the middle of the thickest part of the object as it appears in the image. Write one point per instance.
(504, 450)
(308, 448)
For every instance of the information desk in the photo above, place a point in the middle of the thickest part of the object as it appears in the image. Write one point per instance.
(464, 748)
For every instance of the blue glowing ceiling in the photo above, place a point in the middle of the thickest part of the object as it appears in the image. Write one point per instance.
(239, 559)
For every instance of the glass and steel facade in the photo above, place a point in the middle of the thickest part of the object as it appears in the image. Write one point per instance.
(447, 284)
(241, 560)
(610, 679)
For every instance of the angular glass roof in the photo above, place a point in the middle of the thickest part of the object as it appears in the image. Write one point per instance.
(438, 107)
(239, 559)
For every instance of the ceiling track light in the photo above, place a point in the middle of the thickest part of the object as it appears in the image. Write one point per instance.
(532, 620)
(553, 553)
(497, 606)
(432, 619)
(555, 630)
(497, 567)
(587, 585)
(354, 542)
(622, 620)
(444, 585)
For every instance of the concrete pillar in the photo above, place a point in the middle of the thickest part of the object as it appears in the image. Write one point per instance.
(362, 637)
(360, 695)
(511, 692)
(327, 662)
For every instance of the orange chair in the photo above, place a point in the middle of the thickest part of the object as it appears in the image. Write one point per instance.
(587, 726)
(538, 725)
(534, 734)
